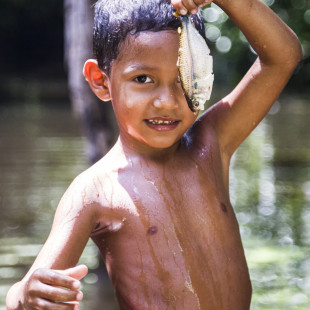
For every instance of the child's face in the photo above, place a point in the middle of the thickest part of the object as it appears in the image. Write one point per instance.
(146, 93)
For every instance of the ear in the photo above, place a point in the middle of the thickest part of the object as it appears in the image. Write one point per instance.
(97, 80)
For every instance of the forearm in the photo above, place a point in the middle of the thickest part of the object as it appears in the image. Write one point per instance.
(274, 42)
(14, 298)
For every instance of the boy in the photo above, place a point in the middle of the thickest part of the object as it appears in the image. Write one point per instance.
(157, 205)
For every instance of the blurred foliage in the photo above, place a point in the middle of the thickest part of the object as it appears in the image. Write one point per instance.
(234, 51)
(31, 33)
(280, 276)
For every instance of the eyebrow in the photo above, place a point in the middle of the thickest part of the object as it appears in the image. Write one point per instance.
(138, 66)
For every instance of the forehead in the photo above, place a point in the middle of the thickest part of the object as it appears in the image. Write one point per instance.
(149, 45)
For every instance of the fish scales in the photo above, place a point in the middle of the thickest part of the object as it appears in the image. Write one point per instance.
(195, 65)
(185, 63)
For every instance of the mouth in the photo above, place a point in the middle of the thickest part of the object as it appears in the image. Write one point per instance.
(162, 124)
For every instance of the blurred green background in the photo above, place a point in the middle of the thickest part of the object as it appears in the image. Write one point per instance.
(42, 149)
(32, 44)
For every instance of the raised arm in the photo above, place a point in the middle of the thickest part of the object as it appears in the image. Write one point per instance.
(279, 51)
(52, 282)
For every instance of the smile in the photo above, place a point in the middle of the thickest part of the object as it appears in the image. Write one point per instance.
(160, 122)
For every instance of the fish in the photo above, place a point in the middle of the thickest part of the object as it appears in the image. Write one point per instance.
(195, 65)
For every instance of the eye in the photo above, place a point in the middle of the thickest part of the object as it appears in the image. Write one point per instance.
(143, 79)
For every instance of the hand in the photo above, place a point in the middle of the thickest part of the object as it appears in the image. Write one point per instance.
(54, 289)
(184, 6)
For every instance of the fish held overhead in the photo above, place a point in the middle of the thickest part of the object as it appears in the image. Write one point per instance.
(195, 65)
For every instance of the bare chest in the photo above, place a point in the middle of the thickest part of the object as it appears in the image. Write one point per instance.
(176, 231)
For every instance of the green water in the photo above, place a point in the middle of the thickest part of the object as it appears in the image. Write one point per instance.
(41, 151)
(270, 189)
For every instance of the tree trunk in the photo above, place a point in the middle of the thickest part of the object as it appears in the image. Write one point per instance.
(96, 117)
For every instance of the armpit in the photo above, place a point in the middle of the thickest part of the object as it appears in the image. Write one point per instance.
(109, 226)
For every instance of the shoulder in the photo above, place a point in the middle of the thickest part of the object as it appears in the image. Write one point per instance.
(87, 185)
(83, 199)
(94, 185)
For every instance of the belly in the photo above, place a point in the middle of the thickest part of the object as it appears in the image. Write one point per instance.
(178, 259)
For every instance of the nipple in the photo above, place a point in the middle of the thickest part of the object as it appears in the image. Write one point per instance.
(152, 230)
(223, 207)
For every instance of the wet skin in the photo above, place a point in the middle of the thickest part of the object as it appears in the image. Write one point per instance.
(157, 205)
(164, 223)
(169, 235)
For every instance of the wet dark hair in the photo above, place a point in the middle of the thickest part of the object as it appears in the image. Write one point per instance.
(115, 19)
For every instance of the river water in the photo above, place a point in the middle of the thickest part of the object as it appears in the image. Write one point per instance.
(41, 151)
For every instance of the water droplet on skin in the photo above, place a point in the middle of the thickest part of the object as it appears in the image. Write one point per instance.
(135, 189)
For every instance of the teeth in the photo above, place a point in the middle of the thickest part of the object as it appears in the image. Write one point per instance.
(160, 122)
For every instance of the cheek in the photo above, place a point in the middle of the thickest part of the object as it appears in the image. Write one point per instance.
(128, 99)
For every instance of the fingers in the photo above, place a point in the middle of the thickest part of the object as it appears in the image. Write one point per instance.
(56, 278)
(77, 272)
(192, 6)
(179, 7)
(49, 289)
(48, 305)
(57, 294)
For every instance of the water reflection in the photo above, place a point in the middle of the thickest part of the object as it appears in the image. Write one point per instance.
(41, 152)
(269, 181)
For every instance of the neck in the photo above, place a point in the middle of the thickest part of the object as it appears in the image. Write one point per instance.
(131, 151)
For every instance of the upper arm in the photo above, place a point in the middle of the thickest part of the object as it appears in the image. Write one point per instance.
(236, 115)
(73, 222)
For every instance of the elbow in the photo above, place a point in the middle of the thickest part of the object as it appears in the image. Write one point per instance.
(287, 56)
(295, 53)
(298, 53)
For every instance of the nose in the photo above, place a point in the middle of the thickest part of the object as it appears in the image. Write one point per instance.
(166, 99)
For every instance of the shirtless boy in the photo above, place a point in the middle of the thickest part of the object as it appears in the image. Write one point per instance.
(157, 205)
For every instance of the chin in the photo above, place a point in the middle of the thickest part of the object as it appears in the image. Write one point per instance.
(162, 145)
